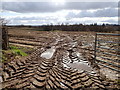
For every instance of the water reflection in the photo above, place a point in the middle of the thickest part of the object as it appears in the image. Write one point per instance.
(48, 53)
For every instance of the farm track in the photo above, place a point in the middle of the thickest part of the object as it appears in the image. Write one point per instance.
(35, 71)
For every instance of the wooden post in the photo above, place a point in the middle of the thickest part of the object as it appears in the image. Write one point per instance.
(95, 47)
(4, 38)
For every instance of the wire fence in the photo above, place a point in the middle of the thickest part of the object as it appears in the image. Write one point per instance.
(107, 50)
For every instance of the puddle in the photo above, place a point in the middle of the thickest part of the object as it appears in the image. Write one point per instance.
(80, 66)
(48, 53)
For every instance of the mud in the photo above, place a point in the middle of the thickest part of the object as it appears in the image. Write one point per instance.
(62, 60)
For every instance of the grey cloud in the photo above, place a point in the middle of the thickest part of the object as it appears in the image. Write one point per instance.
(110, 12)
(107, 13)
(44, 7)
(29, 7)
(32, 7)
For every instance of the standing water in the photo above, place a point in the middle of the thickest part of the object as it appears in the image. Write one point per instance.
(48, 53)
(81, 64)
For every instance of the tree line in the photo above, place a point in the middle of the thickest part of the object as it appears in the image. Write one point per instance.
(76, 27)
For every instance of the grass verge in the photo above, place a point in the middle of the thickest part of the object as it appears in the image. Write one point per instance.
(13, 52)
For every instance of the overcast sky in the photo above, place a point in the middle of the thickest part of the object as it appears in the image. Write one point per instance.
(59, 11)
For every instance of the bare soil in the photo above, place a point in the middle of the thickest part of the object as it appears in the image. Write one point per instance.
(67, 62)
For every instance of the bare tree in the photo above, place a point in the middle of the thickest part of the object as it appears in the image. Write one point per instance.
(4, 33)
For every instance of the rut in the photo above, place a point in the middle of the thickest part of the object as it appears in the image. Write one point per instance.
(34, 71)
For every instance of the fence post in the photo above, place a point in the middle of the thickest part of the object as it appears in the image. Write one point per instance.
(95, 47)
(4, 38)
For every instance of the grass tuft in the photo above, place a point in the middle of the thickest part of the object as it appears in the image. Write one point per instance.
(17, 51)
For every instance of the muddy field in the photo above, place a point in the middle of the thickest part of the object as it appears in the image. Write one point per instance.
(60, 60)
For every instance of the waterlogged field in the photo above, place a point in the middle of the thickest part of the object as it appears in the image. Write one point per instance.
(60, 60)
